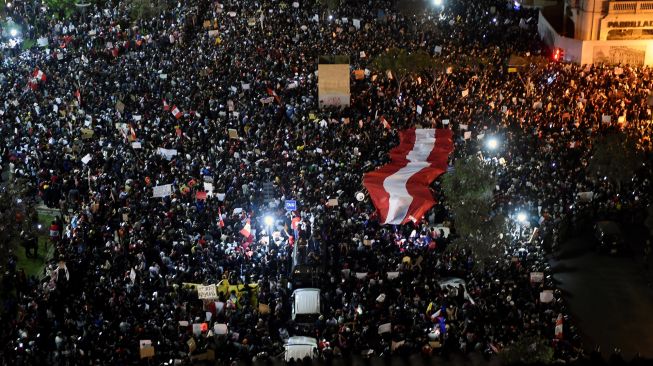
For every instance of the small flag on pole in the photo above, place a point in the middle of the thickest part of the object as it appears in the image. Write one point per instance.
(176, 112)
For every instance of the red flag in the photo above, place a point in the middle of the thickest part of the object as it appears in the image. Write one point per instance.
(176, 112)
(166, 107)
(78, 95)
(272, 93)
(400, 189)
(39, 75)
(246, 231)
(221, 221)
(132, 133)
(295, 222)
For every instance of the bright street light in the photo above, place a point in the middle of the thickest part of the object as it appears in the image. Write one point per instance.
(522, 217)
(437, 2)
(493, 143)
(268, 220)
(13, 32)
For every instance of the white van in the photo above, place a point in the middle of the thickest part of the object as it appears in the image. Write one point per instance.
(305, 305)
(300, 347)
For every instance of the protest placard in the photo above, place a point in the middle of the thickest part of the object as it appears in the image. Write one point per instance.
(86, 159)
(385, 328)
(467, 135)
(537, 277)
(465, 93)
(167, 154)
(207, 292)
(419, 109)
(87, 133)
(437, 50)
(146, 349)
(392, 275)
(606, 118)
(356, 23)
(162, 190)
(136, 145)
(332, 202)
(220, 329)
(546, 296)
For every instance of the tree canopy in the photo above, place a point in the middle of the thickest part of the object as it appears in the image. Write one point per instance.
(401, 63)
(468, 190)
(615, 157)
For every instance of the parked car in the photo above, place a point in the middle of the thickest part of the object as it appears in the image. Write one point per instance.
(609, 237)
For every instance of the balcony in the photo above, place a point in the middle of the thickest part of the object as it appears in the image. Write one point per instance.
(630, 7)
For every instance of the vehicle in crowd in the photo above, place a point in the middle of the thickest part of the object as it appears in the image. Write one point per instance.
(609, 238)
(298, 348)
(306, 306)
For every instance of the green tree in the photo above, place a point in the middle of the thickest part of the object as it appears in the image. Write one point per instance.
(527, 350)
(145, 9)
(64, 8)
(615, 157)
(468, 191)
(15, 212)
(401, 63)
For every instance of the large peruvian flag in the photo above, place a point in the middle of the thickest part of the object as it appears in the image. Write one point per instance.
(400, 189)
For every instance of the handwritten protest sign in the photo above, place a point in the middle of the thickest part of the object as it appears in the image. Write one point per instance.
(207, 292)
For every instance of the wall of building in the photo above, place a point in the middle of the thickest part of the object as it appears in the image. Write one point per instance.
(633, 52)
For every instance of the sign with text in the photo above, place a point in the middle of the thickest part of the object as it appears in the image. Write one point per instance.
(207, 292)
(291, 205)
(333, 85)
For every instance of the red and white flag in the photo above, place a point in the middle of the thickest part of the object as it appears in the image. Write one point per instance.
(166, 107)
(272, 93)
(246, 231)
(176, 112)
(39, 75)
(559, 326)
(400, 189)
(220, 220)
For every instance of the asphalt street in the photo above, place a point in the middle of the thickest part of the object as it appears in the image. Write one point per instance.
(609, 297)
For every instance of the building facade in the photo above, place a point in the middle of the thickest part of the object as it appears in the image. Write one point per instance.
(604, 31)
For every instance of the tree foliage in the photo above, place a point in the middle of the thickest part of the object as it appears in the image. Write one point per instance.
(528, 350)
(64, 8)
(468, 191)
(401, 63)
(614, 156)
(146, 9)
(16, 213)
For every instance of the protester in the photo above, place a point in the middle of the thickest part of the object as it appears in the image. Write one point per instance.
(109, 112)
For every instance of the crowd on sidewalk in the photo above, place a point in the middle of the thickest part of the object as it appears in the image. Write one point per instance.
(105, 111)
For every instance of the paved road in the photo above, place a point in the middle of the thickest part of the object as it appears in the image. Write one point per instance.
(608, 297)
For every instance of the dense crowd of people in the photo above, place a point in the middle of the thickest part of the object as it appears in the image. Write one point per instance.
(111, 108)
